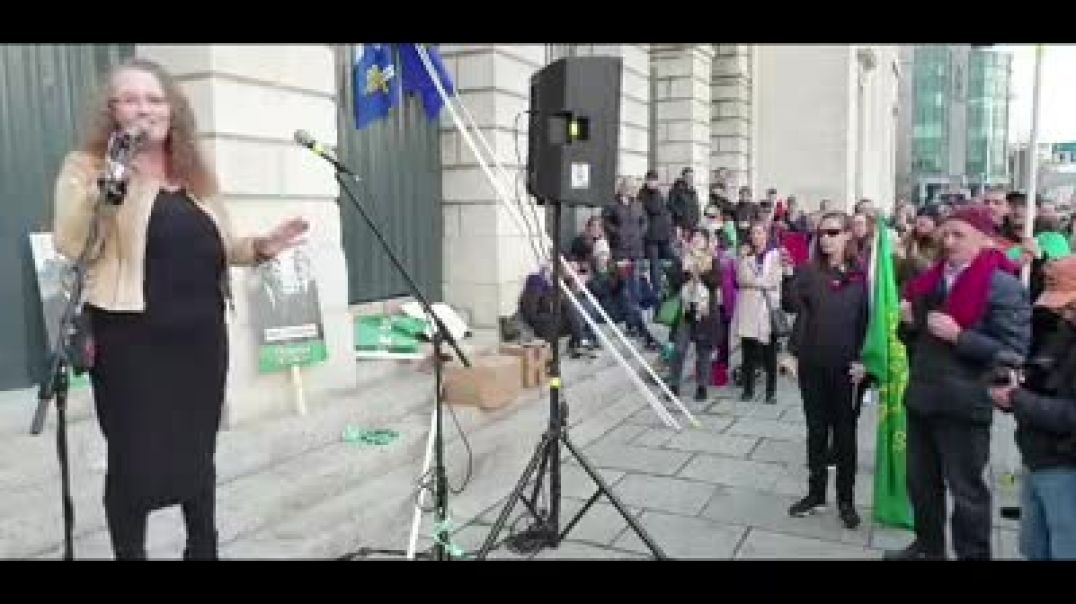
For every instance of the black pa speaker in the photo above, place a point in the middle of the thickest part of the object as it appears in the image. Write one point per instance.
(574, 127)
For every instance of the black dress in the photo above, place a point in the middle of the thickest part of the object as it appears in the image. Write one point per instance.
(159, 375)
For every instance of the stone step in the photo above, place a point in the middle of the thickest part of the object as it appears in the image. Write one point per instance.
(293, 487)
(378, 513)
(29, 468)
(31, 521)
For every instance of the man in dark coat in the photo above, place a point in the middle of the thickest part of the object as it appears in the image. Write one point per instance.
(746, 213)
(625, 225)
(684, 201)
(659, 228)
(957, 316)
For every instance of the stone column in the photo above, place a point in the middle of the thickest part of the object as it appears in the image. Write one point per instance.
(683, 111)
(486, 257)
(731, 133)
(248, 100)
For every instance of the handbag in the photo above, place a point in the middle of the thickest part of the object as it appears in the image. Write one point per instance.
(669, 312)
(779, 325)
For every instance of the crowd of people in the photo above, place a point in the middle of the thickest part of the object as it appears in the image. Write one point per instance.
(726, 276)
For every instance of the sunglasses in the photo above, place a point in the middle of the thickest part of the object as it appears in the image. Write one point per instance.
(830, 232)
(711, 215)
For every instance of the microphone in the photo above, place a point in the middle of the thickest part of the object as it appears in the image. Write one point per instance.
(303, 138)
(122, 146)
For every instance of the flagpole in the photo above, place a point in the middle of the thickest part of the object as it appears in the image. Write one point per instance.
(1033, 159)
(872, 268)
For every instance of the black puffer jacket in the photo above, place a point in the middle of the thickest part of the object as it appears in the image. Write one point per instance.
(831, 315)
(659, 226)
(950, 379)
(625, 225)
(684, 205)
(1046, 406)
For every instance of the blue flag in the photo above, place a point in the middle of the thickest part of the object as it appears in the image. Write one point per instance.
(374, 84)
(416, 80)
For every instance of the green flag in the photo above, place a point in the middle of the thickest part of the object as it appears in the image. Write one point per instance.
(885, 359)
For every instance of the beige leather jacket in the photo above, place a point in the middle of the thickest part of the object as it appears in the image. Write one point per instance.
(115, 271)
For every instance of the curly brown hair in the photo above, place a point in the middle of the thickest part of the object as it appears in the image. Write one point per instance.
(186, 162)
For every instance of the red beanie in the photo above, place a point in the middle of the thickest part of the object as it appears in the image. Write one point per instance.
(978, 216)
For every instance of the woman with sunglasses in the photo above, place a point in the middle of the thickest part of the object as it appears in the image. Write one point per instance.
(829, 297)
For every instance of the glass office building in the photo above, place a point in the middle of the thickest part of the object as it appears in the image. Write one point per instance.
(989, 76)
(933, 95)
(959, 119)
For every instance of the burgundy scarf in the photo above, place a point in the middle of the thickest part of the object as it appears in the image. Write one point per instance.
(971, 291)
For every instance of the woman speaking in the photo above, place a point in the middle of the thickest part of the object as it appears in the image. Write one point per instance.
(156, 289)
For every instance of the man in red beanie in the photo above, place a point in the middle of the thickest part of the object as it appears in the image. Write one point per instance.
(957, 317)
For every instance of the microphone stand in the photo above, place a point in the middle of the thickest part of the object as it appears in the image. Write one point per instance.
(441, 334)
(64, 356)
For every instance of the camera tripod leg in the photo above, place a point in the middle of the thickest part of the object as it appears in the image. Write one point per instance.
(579, 515)
(540, 454)
(603, 488)
(540, 475)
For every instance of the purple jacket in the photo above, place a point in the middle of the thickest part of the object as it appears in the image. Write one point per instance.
(728, 281)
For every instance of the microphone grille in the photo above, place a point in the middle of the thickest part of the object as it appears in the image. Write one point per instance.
(137, 136)
(303, 138)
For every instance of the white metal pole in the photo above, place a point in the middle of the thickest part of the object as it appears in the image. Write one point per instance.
(517, 215)
(988, 105)
(1033, 160)
(416, 519)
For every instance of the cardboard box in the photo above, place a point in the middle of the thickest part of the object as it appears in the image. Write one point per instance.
(534, 360)
(490, 383)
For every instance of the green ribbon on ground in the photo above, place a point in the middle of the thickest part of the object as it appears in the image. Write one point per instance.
(378, 436)
(445, 527)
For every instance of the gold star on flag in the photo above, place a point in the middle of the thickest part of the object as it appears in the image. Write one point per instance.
(377, 80)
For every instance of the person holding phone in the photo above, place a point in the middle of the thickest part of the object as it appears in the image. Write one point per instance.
(758, 275)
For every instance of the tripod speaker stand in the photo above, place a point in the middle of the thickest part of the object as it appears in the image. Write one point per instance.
(572, 149)
(546, 530)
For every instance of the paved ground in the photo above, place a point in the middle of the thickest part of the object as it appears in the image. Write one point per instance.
(719, 492)
(293, 488)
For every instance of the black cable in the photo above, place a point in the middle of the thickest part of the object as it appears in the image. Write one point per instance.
(459, 428)
(425, 483)
(540, 253)
(470, 454)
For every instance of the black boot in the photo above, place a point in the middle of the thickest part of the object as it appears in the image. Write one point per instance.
(807, 506)
(848, 515)
(202, 547)
(748, 395)
(915, 551)
(815, 501)
(771, 388)
(748, 379)
(700, 393)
